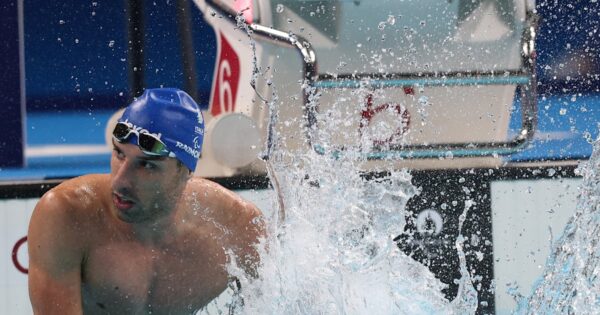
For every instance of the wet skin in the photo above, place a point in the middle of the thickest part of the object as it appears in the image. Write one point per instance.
(148, 238)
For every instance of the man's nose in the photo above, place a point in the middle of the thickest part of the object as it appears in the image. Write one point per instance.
(122, 176)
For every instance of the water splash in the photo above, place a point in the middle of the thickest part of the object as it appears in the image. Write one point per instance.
(570, 283)
(331, 250)
(466, 299)
(335, 253)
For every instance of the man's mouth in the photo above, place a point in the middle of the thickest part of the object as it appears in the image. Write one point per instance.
(122, 203)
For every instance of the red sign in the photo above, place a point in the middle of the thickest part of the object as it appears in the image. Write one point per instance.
(227, 78)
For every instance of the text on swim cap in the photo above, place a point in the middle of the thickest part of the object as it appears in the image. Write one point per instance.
(188, 149)
(139, 130)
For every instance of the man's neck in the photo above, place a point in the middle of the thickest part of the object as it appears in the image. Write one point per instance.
(161, 230)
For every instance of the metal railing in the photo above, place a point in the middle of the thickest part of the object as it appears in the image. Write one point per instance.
(524, 79)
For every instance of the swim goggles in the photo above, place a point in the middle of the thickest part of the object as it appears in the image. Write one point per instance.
(147, 142)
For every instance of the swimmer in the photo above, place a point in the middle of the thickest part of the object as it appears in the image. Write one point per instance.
(148, 238)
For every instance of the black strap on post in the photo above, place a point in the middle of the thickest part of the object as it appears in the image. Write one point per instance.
(135, 46)
(184, 28)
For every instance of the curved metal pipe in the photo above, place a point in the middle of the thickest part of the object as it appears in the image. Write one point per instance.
(309, 70)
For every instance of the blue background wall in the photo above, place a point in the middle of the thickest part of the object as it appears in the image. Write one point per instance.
(76, 53)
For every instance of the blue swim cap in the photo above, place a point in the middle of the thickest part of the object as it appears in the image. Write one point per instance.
(174, 117)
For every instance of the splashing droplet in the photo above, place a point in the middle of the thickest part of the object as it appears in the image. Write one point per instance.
(391, 20)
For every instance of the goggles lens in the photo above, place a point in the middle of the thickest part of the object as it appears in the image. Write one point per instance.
(148, 143)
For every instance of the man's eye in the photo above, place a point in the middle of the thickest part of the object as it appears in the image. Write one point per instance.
(147, 165)
(118, 153)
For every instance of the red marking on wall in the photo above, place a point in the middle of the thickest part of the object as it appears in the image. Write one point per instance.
(371, 111)
(227, 78)
(15, 257)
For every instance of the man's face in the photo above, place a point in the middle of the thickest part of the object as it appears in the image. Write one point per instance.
(144, 188)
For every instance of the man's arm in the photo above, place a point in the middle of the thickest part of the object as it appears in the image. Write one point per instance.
(55, 257)
(250, 231)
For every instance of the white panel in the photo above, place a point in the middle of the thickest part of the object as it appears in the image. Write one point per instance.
(14, 215)
(523, 214)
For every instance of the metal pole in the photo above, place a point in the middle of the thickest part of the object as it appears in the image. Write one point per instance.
(135, 46)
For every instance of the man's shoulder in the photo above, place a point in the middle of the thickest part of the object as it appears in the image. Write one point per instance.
(214, 194)
(225, 203)
(241, 219)
(66, 213)
(77, 193)
(61, 227)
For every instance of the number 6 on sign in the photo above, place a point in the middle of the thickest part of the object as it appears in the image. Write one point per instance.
(225, 97)
(226, 81)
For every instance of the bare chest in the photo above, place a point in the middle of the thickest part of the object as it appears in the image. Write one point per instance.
(129, 278)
